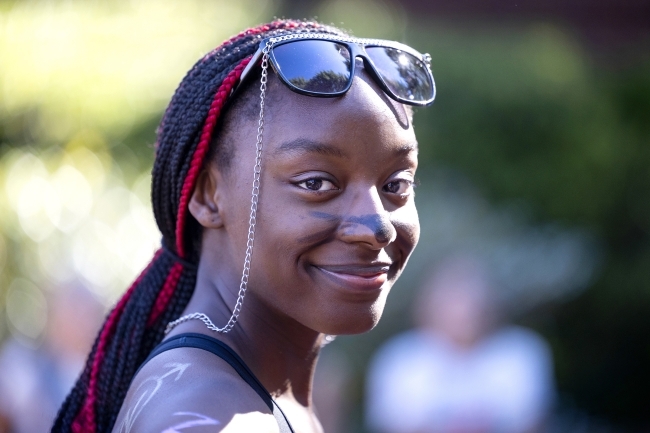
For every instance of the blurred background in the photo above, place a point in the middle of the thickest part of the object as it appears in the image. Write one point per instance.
(534, 169)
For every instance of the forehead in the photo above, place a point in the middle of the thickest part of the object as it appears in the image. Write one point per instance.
(364, 113)
(363, 119)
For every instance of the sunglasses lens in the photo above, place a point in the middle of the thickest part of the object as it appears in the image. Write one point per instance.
(405, 75)
(314, 66)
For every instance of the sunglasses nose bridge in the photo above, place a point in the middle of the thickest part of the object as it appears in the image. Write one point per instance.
(369, 67)
(359, 51)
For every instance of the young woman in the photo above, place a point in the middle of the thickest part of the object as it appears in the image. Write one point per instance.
(284, 178)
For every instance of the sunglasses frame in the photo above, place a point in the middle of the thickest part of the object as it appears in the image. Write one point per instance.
(356, 47)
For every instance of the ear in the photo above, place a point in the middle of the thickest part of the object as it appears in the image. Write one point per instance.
(204, 204)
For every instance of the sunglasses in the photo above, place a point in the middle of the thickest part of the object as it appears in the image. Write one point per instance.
(323, 65)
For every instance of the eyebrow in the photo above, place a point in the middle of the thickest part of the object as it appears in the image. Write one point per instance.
(406, 149)
(305, 145)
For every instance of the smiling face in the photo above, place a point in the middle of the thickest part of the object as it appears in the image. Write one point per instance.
(336, 220)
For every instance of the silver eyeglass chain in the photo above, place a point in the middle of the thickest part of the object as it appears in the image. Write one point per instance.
(252, 221)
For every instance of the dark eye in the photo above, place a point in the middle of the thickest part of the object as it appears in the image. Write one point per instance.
(317, 184)
(399, 186)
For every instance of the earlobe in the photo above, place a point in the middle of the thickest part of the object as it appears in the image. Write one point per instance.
(203, 205)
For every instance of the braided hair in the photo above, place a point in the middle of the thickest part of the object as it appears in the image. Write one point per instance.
(162, 291)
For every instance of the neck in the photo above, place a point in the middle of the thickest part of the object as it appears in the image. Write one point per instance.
(281, 352)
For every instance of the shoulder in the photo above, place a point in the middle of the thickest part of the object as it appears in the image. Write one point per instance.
(188, 387)
(399, 382)
(521, 341)
(521, 356)
(404, 363)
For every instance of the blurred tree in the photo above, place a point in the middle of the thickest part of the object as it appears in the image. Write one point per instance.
(532, 118)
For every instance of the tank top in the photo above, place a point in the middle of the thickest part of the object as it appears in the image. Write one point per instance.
(207, 343)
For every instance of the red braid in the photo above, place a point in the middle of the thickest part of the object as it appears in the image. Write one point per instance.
(252, 31)
(202, 149)
(85, 420)
(166, 293)
(197, 162)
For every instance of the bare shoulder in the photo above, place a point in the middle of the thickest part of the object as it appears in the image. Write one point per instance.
(190, 388)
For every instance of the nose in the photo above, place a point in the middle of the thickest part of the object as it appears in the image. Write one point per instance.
(367, 222)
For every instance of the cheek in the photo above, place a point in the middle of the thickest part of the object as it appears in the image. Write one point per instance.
(275, 233)
(277, 272)
(237, 213)
(407, 224)
(287, 230)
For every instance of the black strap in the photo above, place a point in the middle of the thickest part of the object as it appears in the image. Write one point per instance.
(205, 342)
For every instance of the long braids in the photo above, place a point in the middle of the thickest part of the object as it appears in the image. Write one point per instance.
(160, 294)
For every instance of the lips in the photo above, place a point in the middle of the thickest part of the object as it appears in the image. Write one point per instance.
(356, 277)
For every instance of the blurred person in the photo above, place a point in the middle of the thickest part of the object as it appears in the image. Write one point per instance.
(35, 380)
(313, 129)
(460, 371)
(332, 390)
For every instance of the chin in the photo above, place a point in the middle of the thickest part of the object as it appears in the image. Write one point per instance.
(355, 319)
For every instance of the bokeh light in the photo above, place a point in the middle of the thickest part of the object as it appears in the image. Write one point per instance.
(74, 188)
